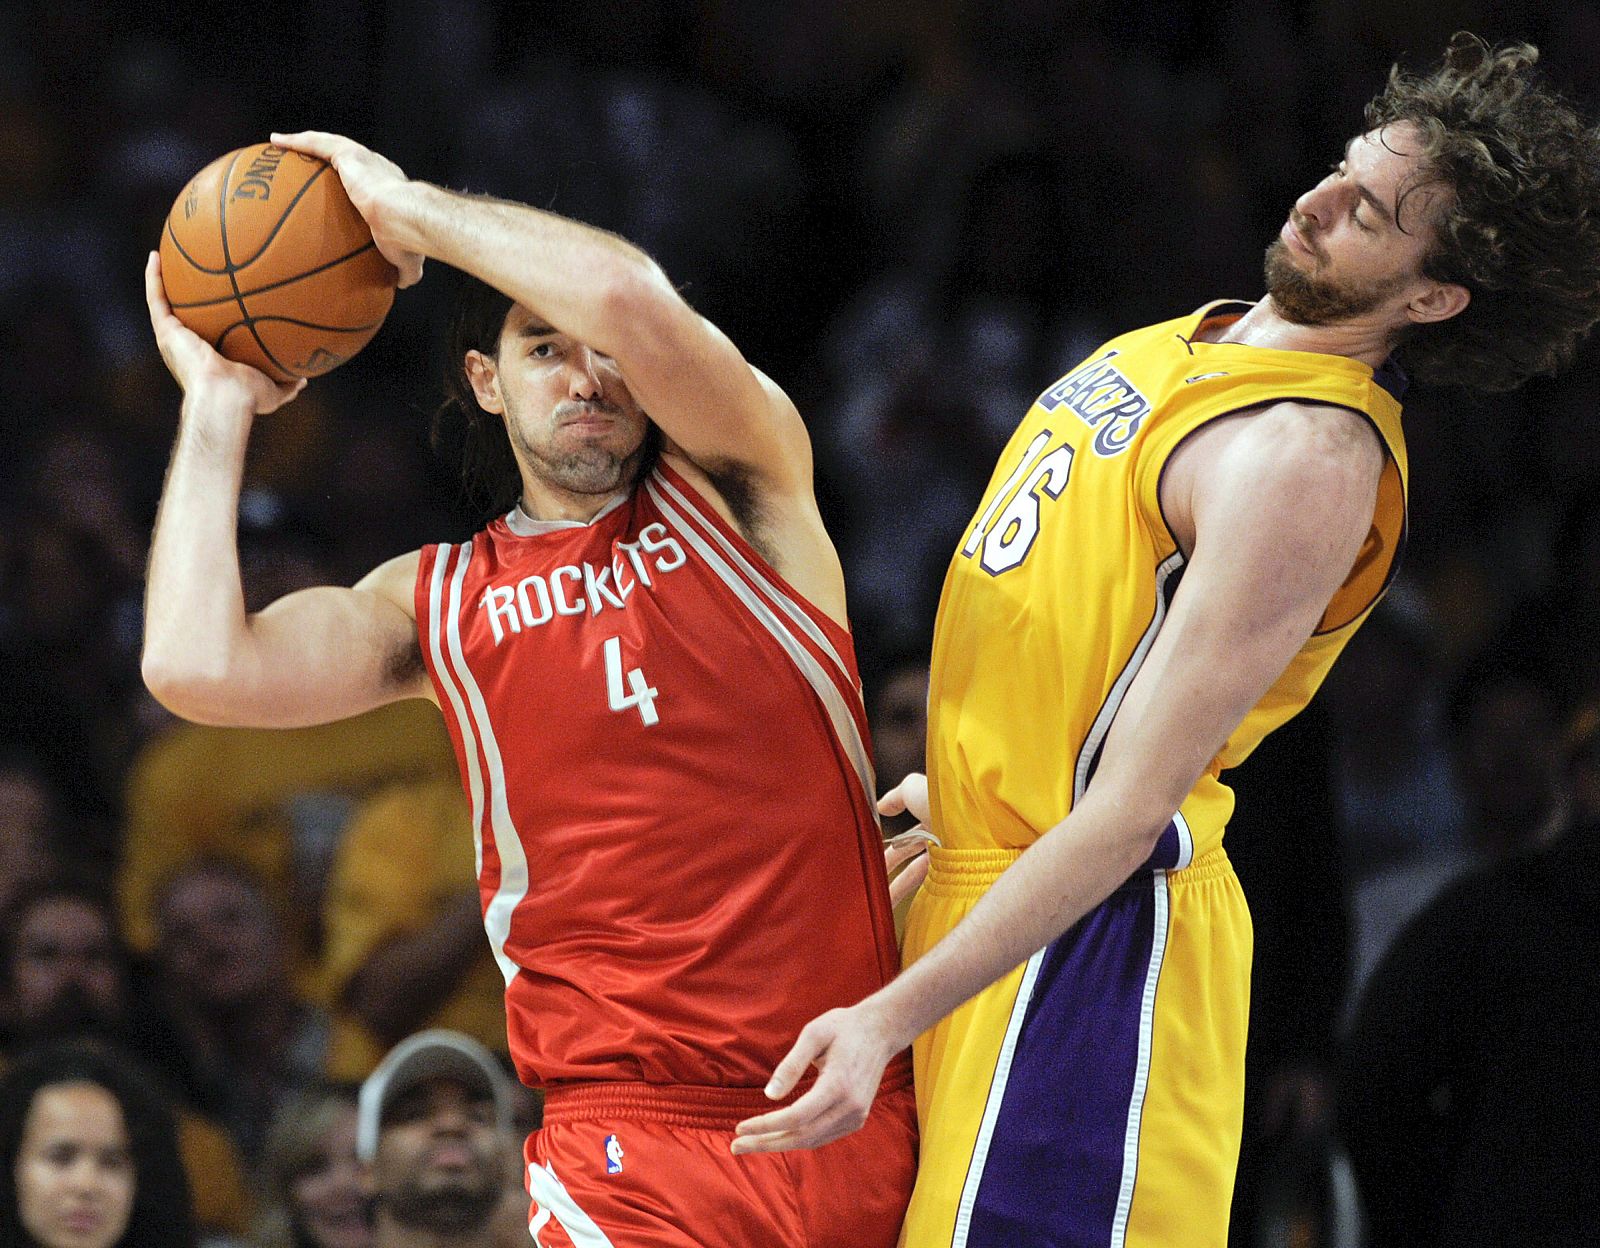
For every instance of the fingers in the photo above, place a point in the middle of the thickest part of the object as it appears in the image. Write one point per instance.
(910, 794)
(314, 143)
(914, 793)
(407, 263)
(901, 850)
(826, 1113)
(287, 392)
(807, 1047)
(155, 293)
(908, 881)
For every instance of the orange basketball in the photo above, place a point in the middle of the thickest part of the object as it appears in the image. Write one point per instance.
(265, 257)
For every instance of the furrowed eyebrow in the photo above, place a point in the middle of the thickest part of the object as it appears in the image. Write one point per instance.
(535, 330)
(1378, 206)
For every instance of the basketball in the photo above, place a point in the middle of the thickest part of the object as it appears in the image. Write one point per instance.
(265, 257)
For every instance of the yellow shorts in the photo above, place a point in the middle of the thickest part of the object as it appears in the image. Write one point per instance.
(1094, 1096)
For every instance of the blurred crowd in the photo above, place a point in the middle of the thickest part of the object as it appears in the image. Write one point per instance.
(913, 216)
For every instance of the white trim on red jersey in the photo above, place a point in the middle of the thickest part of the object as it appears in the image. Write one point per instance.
(513, 885)
(845, 725)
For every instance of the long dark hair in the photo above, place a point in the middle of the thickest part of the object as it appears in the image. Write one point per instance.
(162, 1216)
(491, 483)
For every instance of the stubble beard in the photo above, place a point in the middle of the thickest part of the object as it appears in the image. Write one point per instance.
(466, 1206)
(1305, 299)
(588, 469)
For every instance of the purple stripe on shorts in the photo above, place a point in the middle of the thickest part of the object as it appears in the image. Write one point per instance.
(1169, 847)
(1055, 1161)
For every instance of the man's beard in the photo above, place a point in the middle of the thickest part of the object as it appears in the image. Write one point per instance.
(1306, 299)
(587, 469)
(466, 1205)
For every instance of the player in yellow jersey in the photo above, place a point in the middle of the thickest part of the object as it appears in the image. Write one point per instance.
(1183, 533)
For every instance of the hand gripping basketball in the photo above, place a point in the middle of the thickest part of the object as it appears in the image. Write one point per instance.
(372, 182)
(266, 258)
(194, 363)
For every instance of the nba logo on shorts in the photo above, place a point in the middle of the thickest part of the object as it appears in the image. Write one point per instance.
(613, 1155)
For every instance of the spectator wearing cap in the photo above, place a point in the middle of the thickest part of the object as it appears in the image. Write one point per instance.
(433, 1121)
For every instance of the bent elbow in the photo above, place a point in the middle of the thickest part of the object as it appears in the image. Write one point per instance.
(186, 688)
(634, 294)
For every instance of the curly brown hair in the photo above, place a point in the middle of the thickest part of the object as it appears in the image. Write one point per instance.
(1521, 229)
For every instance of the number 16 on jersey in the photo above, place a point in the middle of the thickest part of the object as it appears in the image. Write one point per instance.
(638, 693)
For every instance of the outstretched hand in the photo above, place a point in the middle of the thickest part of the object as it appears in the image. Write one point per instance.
(849, 1049)
(375, 185)
(194, 363)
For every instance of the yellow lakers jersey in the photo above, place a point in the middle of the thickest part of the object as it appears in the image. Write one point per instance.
(1063, 579)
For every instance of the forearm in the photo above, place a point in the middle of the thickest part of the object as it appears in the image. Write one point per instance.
(584, 281)
(404, 982)
(194, 602)
(1071, 869)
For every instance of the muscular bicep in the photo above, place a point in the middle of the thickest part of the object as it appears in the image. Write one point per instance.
(323, 654)
(1279, 517)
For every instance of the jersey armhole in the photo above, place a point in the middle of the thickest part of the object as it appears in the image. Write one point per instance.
(706, 515)
(1378, 562)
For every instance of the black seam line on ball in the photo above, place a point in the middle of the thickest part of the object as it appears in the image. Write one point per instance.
(233, 280)
(261, 290)
(267, 242)
(326, 329)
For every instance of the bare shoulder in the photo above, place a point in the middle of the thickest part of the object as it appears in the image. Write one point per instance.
(1314, 438)
(1308, 462)
(395, 580)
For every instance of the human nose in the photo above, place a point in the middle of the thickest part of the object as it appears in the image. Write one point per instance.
(1322, 203)
(85, 1176)
(585, 381)
(451, 1119)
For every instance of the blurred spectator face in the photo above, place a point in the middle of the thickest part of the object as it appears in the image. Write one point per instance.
(1584, 773)
(329, 1203)
(26, 815)
(75, 1171)
(60, 583)
(66, 973)
(1375, 691)
(900, 723)
(440, 1162)
(219, 941)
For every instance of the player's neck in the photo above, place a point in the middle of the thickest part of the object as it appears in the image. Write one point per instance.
(543, 501)
(1363, 339)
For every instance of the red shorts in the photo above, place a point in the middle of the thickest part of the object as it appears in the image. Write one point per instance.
(628, 1165)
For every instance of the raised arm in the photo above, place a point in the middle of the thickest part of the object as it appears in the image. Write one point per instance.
(1274, 508)
(599, 289)
(311, 657)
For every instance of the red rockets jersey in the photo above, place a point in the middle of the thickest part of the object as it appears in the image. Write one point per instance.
(667, 759)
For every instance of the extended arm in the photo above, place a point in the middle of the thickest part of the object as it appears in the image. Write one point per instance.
(599, 289)
(311, 657)
(1252, 593)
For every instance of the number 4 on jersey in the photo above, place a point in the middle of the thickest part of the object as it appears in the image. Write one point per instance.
(638, 693)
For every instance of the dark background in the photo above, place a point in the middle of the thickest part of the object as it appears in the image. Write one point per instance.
(913, 215)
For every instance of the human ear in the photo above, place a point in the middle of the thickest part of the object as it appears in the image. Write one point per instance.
(484, 375)
(1439, 302)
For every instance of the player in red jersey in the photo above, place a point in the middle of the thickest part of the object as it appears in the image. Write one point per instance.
(639, 660)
